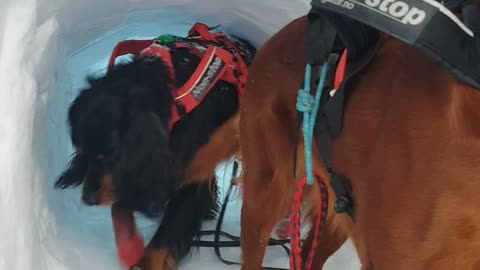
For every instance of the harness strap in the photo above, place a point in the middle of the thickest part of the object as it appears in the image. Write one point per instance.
(329, 126)
(216, 64)
(343, 193)
(162, 52)
(202, 30)
(330, 35)
(321, 36)
(126, 47)
(240, 75)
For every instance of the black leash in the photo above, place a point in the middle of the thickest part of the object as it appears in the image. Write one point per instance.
(234, 241)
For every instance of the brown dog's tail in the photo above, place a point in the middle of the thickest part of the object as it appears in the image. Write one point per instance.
(222, 145)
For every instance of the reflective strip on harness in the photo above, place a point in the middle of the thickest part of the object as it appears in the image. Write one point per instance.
(213, 66)
(210, 70)
(425, 24)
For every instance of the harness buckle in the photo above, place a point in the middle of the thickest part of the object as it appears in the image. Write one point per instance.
(342, 203)
(343, 194)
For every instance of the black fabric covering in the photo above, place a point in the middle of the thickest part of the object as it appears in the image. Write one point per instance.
(329, 32)
(437, 35)
(447, 44)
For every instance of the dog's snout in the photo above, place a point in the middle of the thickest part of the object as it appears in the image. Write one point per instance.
(90, 198)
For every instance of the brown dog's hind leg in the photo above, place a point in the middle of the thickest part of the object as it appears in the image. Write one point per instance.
(221, 146)
(267, 184)
(268, 187)
(257, 228)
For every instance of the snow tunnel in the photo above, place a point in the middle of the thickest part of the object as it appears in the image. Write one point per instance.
(47, 49)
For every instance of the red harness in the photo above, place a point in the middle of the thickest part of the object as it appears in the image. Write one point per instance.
(218, 62)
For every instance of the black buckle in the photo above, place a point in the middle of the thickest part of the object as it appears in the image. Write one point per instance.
(342, 203)
(343, 194)
(332, 63)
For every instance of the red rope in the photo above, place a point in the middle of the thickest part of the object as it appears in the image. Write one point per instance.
(294, 229)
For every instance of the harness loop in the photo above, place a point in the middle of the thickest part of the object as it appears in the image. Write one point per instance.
(294, 228)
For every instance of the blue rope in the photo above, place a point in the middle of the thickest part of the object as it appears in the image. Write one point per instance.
(309, 105)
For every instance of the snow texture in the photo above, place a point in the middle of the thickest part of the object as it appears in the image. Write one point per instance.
(47, 47)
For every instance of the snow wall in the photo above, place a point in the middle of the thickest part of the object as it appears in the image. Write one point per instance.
(47, 47)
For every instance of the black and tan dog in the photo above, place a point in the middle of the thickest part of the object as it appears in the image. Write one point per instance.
(135, 137)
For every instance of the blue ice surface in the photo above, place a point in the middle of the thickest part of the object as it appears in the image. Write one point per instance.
(90, 228)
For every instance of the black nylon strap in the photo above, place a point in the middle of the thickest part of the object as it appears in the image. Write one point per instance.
(350, 33)
(343, 193)
(321, 36)
(456, 6)
(450, 47)
(428, 26)
(406, 22)
(329, 35)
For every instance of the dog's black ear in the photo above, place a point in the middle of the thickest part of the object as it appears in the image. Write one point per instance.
(76, 170)
(146, 175)
(76, 110)
(73, 176)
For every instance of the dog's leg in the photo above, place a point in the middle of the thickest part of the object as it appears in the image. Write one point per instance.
(182, 220)
(257, 226)
(362, 253)
(267, 183)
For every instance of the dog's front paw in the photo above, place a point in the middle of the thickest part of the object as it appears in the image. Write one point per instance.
(155, 259)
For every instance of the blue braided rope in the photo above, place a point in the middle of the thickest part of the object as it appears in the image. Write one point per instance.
(309, 105)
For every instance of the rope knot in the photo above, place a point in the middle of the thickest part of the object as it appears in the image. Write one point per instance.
(305, 101)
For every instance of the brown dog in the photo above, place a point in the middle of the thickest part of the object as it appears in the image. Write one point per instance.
(410, 147)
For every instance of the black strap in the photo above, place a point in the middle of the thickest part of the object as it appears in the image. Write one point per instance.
(321, 35)
(456, 6)
(435, 31)
(328, 35)
(349, 33)
(330, 117)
